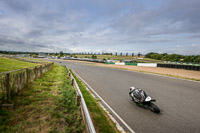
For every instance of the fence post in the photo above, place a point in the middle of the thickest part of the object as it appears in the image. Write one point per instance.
(27, 76)
(35, 72)
(8, 85)
(40, 70)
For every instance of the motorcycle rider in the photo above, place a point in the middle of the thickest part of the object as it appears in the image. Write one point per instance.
(137, 95)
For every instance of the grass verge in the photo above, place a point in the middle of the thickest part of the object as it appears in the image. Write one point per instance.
(101, 120)
(7, 64)
(46, 105)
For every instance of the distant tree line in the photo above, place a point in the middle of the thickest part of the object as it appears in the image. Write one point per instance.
(174, 57)
(61, 53)
(17, 52)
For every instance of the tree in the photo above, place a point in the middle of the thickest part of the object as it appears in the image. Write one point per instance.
(61, 53)
(187, 59)
(94, 57)
(149, 54)
(197, 59)
(139, 54)
(126, 54)
(156, 56)
(121, 54)
(116, 54)
(132, 54)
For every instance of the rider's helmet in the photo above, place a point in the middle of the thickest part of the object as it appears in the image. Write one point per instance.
(132, 88)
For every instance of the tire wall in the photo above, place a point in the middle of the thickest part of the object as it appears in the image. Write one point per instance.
(179, 66)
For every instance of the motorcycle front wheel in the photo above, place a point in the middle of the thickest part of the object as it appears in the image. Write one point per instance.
(154, 108)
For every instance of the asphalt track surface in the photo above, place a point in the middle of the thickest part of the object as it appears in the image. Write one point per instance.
(179, 100)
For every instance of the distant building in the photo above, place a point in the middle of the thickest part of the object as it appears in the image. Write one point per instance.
(23, 55)
(42, 55)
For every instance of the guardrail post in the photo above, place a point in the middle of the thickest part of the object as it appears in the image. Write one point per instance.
(72, 82)
(78, 100)
(8, 85)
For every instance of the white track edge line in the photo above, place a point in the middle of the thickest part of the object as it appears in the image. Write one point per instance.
(125, 124)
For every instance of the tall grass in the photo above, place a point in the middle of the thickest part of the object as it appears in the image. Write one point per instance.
(46, 105)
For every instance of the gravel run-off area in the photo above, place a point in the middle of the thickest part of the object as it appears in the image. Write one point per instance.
(180, 73)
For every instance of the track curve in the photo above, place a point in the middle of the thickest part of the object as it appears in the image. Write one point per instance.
(178, 99)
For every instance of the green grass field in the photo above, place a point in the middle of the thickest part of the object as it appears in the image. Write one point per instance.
(47, 105)
(36, 60)
(7, 64)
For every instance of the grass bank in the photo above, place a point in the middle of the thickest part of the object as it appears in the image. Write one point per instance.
(46, 105)
(102, 122)
(7, 64)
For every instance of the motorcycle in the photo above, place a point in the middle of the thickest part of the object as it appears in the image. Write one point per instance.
(143, 100)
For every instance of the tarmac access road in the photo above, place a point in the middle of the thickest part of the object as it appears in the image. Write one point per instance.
(179, 100)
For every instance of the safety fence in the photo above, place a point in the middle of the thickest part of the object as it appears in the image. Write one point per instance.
(176, 66)
(13, 81)
(80, 101)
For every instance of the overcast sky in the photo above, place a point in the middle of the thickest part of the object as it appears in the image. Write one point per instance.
(171, 26)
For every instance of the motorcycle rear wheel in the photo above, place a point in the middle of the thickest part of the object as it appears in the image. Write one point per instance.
(154, 108)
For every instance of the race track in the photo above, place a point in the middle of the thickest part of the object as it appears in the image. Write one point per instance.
(179, 100)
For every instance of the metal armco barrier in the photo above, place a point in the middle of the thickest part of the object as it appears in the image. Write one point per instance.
(89, 125)
(180, 66)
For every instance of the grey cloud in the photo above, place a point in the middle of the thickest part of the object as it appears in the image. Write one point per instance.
(103, 25)
(75, 43)
(40, 46)
(178, 16)
(11, 40)
(186, 50)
